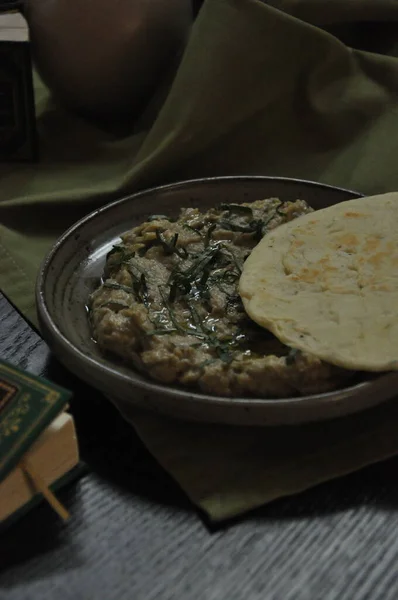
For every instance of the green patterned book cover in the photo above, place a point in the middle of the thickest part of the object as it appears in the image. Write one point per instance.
(28, 404)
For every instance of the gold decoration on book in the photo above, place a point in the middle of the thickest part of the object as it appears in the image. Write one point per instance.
(10, 423)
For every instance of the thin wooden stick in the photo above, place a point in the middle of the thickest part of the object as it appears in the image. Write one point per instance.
(41, 487)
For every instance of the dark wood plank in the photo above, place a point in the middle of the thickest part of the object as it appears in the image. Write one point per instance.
(134, 535)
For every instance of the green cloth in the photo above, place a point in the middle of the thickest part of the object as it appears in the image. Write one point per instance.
(300, 88)
(228, 470)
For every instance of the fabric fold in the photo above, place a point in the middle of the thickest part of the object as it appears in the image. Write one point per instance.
(296, 88)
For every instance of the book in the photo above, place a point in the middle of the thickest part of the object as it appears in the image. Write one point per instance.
(38, 442)
(18, 136)
(53, 455)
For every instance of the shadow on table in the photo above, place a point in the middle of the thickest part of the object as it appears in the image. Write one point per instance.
(111, 448)
(38, 533)
(113, 451)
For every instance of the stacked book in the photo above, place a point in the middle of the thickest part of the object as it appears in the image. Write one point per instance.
(38, 444)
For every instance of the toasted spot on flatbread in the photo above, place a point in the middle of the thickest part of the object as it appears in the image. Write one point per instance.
(329, 285)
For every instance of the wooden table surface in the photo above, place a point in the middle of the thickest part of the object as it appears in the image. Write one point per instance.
(134, 535)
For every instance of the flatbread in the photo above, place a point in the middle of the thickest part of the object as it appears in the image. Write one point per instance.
(327, 283)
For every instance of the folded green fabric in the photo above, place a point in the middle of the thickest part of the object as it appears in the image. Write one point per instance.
(300, 88)
(227, 471)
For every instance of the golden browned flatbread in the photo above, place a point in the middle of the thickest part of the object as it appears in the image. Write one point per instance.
(327, 283)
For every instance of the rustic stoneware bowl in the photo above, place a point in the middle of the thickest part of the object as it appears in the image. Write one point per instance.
(72, 270)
